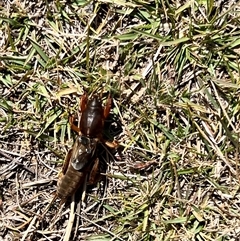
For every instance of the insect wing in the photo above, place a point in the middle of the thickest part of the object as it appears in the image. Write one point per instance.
(82, 152)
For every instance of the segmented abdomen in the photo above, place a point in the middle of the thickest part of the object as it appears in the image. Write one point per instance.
(70, 182)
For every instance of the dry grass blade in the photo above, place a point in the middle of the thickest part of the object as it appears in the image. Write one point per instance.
(172, 68)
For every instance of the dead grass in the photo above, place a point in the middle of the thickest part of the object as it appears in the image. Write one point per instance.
(173, 71)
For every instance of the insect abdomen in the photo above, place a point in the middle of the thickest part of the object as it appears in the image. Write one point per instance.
(69, 183)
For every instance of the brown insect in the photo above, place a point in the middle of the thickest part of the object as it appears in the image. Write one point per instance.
(80, 160)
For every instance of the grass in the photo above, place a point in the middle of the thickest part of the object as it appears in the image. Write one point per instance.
(172, 69)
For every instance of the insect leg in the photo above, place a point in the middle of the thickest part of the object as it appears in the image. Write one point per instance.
(83, 102)
(107, 107)
(73, 127)
(66, 163)
(94, 175)
(111, 144)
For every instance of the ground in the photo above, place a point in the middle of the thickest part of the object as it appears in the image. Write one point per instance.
(172, 70)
